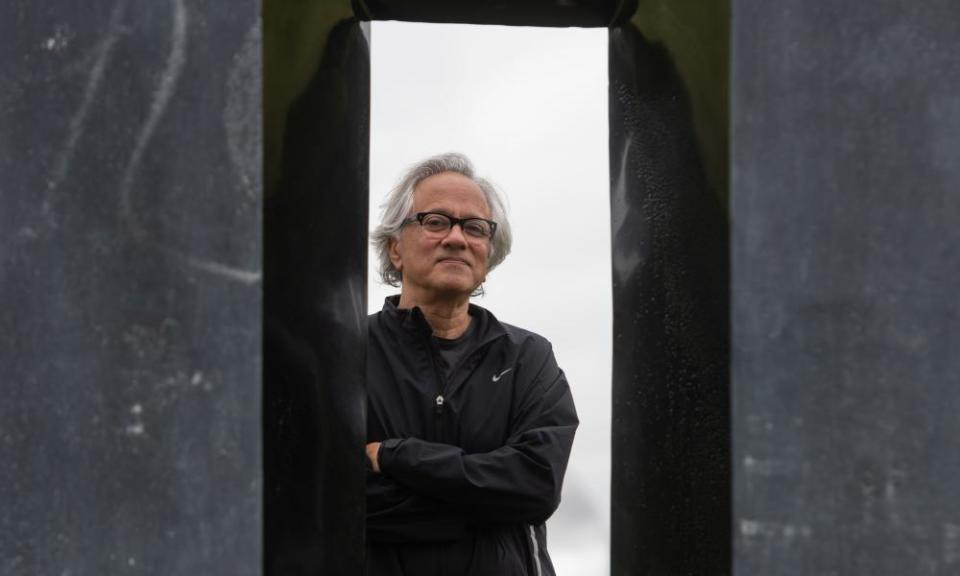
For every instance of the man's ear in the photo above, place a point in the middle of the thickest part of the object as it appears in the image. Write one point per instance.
(394, 253)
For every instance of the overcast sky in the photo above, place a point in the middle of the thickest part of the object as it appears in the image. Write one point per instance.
(529, 107)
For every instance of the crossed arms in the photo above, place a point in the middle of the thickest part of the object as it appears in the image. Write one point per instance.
(420, 491)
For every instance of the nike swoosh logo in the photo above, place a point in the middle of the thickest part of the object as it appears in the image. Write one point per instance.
(497, 377)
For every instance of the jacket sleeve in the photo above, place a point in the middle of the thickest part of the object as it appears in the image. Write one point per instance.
(518, 482)
(397, 514)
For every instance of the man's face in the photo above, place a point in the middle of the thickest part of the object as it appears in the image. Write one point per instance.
(452, 264)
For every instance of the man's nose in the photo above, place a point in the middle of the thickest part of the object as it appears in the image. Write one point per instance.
(455, 236)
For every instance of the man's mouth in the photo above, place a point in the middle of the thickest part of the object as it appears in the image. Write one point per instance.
(454, 261)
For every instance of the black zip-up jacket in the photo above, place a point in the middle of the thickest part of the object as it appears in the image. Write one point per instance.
(471, 467)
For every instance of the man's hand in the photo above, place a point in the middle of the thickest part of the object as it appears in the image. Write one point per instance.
(372, 449)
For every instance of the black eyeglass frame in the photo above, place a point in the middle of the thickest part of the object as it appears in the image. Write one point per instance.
(419, 216)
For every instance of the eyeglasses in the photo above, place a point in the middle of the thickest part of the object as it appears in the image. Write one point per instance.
(437, 224)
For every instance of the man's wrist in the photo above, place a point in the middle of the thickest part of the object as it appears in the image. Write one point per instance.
(373, 454)
(386, 453)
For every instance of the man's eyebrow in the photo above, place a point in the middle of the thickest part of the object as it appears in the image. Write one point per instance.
(447, 213)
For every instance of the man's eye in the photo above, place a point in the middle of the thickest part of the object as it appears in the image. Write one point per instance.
(476, 228)
(435, 222)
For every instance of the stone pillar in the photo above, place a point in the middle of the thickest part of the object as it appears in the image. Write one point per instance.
(317, 101)
(130, 282)
(668, 138)
(846, 328)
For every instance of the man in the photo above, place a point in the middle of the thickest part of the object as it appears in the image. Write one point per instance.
(470, 421)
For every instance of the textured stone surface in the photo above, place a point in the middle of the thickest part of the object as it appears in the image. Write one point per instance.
(130, 177)
(845, 210)
(670, 479)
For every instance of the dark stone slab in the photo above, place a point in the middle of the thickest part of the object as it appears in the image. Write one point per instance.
(315, 294)
(846, 329)
(670, 489)
(586, 13)
(130, 178)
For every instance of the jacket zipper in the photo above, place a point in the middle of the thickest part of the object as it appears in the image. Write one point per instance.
(439, 400)
(438, 416)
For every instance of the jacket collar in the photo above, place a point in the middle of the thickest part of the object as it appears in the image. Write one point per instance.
(412, 319)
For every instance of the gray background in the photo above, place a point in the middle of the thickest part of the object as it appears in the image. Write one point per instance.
(529, 106)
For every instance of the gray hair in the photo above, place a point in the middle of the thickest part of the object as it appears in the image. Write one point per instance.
(399, 205)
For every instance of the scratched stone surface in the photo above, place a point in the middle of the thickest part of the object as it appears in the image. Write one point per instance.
(130, 282)
(846, 266)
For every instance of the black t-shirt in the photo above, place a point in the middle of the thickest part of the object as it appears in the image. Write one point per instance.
(452, 352)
